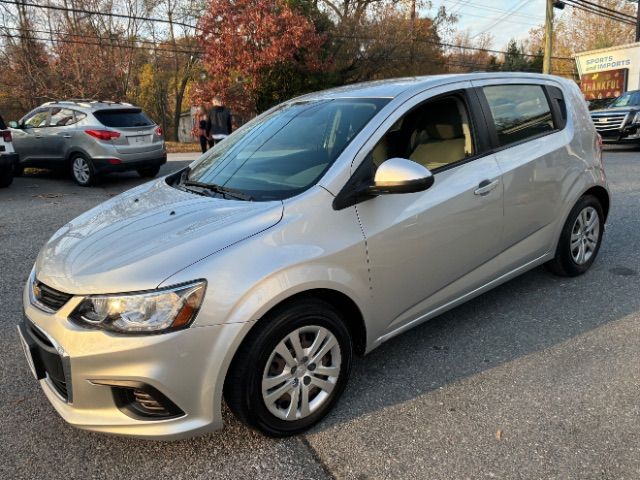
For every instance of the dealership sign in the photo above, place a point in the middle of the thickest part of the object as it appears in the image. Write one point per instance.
(610, 84)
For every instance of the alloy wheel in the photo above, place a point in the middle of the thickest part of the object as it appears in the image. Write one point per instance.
(585, 235)
(81, 170)
(301, 373)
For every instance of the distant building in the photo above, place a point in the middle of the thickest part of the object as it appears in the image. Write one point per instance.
(185, 126)
(609, 72)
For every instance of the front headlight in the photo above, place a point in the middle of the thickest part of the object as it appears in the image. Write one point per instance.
(153, 312)
(636, 118)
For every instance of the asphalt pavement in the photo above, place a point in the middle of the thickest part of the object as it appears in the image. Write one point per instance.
(538, 378)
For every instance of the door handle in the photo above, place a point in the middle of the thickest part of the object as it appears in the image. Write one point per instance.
(66, 136)
(486, 186)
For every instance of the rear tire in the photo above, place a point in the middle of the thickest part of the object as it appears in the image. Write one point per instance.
(82, 171)
(580, 239)
(148, 172)
(313, 374)
(6, 178)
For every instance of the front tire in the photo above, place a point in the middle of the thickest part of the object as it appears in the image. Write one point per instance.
(291, 369)
(82, 171)
(580, 239)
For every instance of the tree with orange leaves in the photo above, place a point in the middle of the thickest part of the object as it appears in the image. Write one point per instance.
(243, 41)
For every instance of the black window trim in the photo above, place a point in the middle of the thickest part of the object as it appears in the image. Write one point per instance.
(481, 141)
(491, 126)
(479, 131)
(74, 121)
(33, 112)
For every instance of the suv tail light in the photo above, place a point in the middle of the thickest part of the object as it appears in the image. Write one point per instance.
(159, 131)
(6, 136)
(103, 134)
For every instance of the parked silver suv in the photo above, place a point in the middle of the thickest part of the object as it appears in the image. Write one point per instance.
(322, 228)
(88, 138)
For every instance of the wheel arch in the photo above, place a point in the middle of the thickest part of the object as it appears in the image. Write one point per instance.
(602, 195)
(353, 317)
(73, 152)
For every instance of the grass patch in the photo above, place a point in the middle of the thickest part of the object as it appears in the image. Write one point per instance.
(178, 147)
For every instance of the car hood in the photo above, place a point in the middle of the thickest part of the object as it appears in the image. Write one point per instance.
(136, 240)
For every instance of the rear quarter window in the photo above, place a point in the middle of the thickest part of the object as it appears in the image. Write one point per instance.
(123, 118)
(3, 126)
(519, 112)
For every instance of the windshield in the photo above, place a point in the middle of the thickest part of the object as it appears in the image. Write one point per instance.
(631, 99)
(283, 152)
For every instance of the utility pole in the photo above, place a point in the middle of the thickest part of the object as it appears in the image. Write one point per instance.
(413, 37)
(548, 34)
(638, 23)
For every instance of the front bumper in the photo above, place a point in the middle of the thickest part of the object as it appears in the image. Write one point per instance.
(105, 165)
(187, 367)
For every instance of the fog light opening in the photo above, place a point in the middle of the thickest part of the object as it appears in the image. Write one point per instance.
(141, 401)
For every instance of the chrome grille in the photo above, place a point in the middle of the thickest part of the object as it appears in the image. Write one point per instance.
(611, 121)
(50, 297)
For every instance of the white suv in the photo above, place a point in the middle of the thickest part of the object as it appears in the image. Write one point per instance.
(8, 157)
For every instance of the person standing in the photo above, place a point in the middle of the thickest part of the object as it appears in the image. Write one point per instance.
(200, 127)
(218, 122)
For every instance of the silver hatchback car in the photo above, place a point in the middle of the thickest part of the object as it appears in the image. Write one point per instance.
(89, 138)
(320, 229)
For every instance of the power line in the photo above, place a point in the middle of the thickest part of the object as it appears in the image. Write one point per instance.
(583, 7)
(109, 40)
(96, 44)
(503, 17)
(352, 37)
(607, 9)
(104, 14)
(449, 45)
(469, 3)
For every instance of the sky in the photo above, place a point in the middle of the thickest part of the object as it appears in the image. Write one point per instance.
(482, 15)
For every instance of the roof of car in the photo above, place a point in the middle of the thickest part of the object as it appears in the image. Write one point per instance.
(88, 103)
(393, 87)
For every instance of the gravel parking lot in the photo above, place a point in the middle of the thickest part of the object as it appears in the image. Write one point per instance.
(537, 379)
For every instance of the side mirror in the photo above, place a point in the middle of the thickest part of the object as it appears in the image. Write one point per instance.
(14, 124)
(399, 175)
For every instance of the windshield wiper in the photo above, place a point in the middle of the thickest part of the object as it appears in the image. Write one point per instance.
(224, 191)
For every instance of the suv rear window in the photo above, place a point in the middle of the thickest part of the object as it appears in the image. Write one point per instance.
(519, 112)
(123, 118)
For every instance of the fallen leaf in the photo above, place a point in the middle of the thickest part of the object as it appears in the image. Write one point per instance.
(499, 435)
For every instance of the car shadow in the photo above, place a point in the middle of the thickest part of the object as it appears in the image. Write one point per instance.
(523, 316)
(119, 181)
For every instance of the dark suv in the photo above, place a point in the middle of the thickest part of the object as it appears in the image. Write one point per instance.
(619, 122)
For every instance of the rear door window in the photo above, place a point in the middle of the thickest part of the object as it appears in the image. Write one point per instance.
(123, 118)
(519, 112)
(61, 117)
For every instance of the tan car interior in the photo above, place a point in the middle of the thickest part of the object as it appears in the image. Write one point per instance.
(435, 134)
